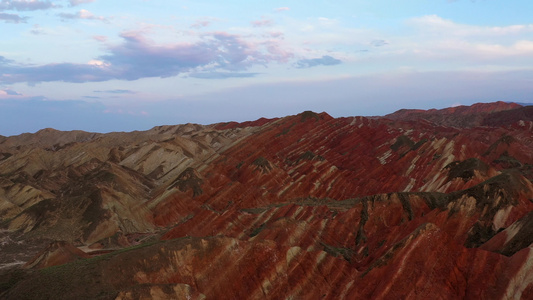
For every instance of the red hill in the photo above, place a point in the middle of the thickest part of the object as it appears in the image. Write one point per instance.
(458, 116)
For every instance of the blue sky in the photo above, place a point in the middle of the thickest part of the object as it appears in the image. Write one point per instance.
(130, 65)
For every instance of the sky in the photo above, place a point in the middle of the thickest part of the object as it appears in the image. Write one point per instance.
(124, 65)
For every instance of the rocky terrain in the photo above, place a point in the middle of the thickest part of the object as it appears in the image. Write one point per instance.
(414, 205)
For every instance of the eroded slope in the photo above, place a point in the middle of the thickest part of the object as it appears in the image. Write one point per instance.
(301, 207)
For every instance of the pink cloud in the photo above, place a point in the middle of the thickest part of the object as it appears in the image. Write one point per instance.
(139, 57)
(100, 38)
(82, 14)
(263, 22)
(276, 34)
(279, 9)
(7, 93)
(78, 2)
(200, 24)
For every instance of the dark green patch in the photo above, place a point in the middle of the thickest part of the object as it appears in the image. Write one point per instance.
(505, 186)
(402, 141)
(255, 210)
(157, 172)
(508, 162)
(346, 253)
(5, 155)
(404, 199)
(309, 115)
(105, 176)
(44, 213)
(10, 278)
(434, 199)
(308, 155)
(479, 234)
(262, 164)
(361, 237)
(189, 180)
(419, 144)
(466, 169)
(505, 139)
(285, 130)
(522, 239)
(257, 230)
(94, 212)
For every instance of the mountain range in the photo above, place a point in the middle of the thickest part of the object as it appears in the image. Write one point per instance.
(417, 204)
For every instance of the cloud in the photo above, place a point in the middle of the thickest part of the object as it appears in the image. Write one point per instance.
(100, 38)
(12, 18)
(262, 23)
(5, 61)
(378, 43)
(204, 22)
(82, 14)
(12, 93)
(78, 2)
(117, 92)
(325, 60)
(280, 9)
(137, 57)
(327, 21)
(13, 73)
(25, 5)
(222, 75)
(8, 93)
(200, 24)
(434, 42)
(37, 29)
(437, 24)
(276, 34)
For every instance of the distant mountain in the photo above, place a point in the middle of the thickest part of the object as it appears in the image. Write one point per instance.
(415, 204)
(524, 103)
(458, 116)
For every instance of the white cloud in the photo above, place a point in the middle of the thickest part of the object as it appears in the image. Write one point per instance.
(78, 2)
(12, 18)
(327, 21)
(436, 24)
(26, 5)
(82, 14)
(434, 42)
(518, 48)
(98, 63)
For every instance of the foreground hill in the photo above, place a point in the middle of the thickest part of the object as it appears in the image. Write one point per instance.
(416, 204)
